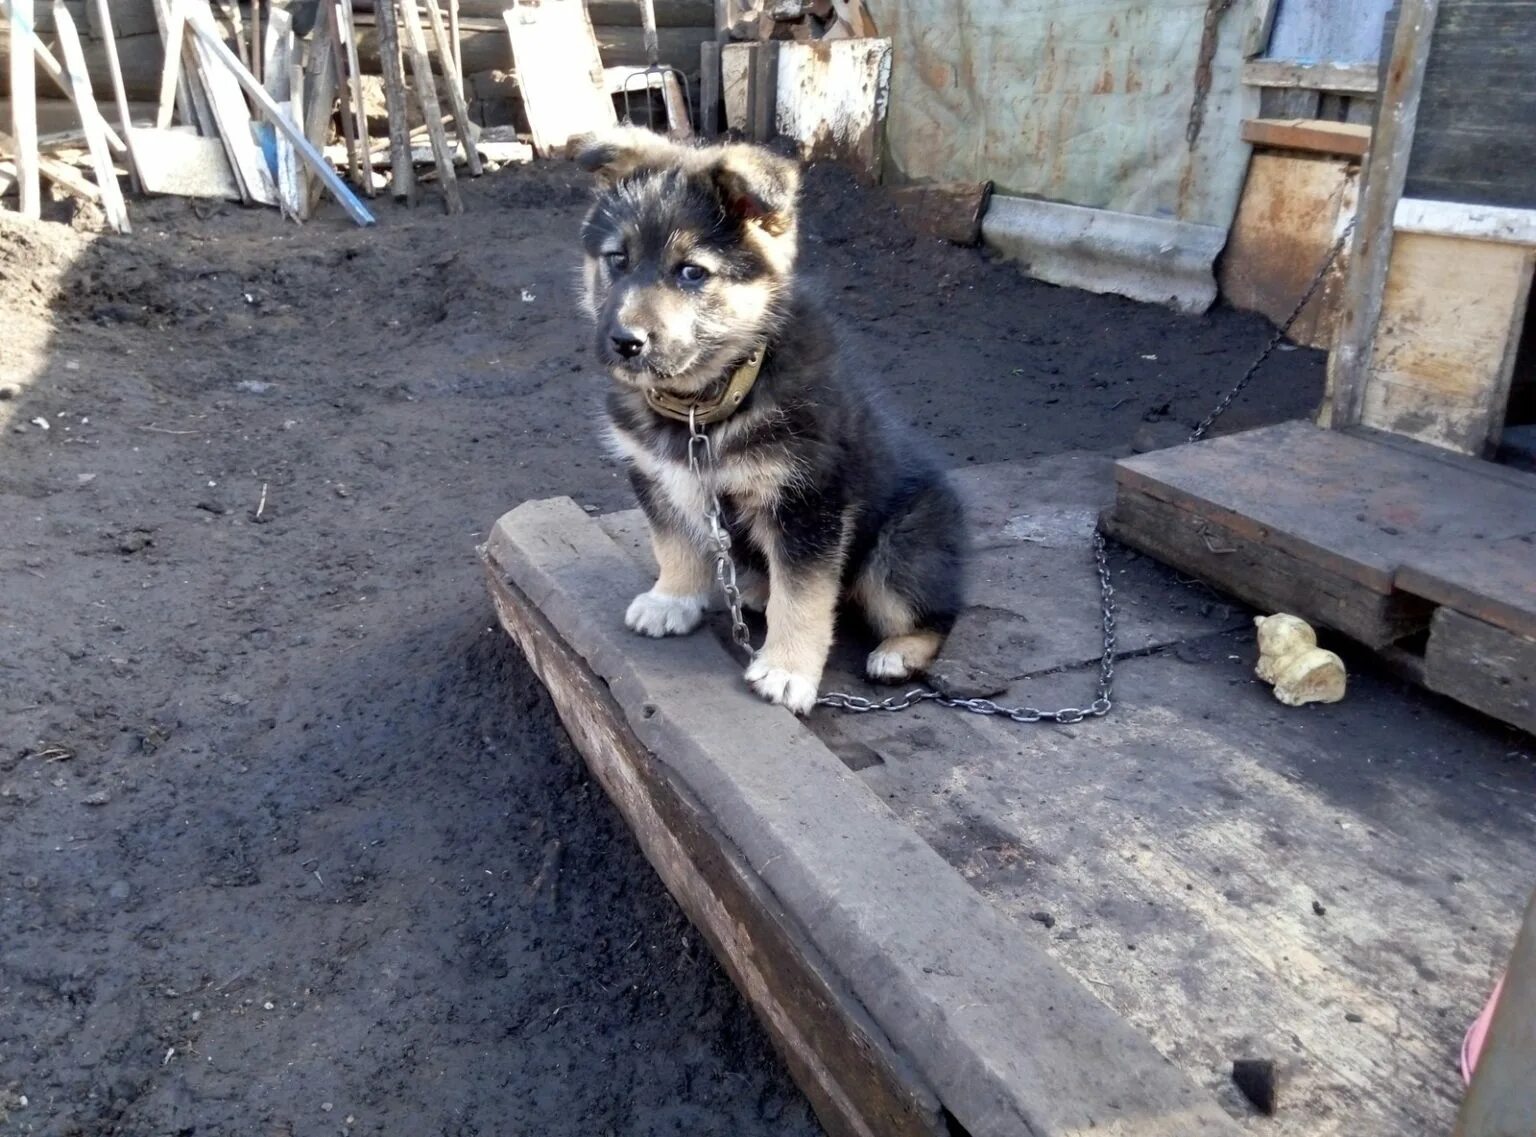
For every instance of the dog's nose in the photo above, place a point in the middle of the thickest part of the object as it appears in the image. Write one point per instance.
(628, 343)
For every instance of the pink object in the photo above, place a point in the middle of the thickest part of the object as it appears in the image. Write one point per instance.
(1477, 1033)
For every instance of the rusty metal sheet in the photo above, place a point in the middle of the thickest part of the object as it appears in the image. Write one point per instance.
(1124, 106)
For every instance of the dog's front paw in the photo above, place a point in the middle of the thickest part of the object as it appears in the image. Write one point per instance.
(885, 666)
(658, 614)
(783, 687)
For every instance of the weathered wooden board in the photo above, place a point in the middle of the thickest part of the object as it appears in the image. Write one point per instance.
(23, 76)
(1314, 135)
(1292, 213)
(1492, 581)
(837, 1056)
(1483, 666)
(1354, 78)
(182, 162)
(1451, 317)
(1474, 140)
(559, 71)
(1296, 507)
(832, 100)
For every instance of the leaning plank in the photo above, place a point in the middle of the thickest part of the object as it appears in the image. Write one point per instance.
(231, 112)
(59, 172)
(278, 70)
(24, 109)
(103, 11)
(1459, 219)
(202, 26)
(355, 156)
(51, 68)
(1386, 169)
(355, 85)
(90, 118)
(319, 91)
(175, 90)
(559, 71)
(455, 81)
(426, 95)
(1314, 135)
(402, 185)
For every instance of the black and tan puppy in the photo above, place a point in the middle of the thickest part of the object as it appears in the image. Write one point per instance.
(690, 278)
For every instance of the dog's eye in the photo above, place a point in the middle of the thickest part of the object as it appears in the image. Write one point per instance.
(692, 274)
(617, 262)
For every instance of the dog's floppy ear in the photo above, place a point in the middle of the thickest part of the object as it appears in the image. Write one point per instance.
(759, 186)
(615, 154)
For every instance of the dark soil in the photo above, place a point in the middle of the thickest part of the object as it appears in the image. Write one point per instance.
(291, 842)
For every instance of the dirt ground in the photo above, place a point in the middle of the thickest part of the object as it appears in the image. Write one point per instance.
(291, 843)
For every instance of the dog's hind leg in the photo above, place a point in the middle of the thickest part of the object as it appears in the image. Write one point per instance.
(906, 648)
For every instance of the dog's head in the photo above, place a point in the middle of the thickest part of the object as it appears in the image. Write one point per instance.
(689, 254)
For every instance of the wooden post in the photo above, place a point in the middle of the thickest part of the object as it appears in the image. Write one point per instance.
(359, 109)
(90, 119)
(763, 92)
(1386, 170)
(455, 80)
(24, 108)
(403, 180)
(1501, 1101)
(458, 43)
(202, 27)
(709, 89)
(257, 39)
(51, 68)
(119, 93)
(319, 88)
(432, 111)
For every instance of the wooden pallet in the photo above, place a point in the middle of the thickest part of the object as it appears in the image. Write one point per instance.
(1378, 537)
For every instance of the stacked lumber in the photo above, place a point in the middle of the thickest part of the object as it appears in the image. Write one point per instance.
(246, 109)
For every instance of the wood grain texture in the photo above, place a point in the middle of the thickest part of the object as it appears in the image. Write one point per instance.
(1317, 136)
(559, 71)
(1451, 316)
(1493, 581)
(24, 107)
(1483, 666)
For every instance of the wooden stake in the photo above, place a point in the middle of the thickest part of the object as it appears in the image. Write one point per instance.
(455, 81)
(359, 110)
(709, 89)
(90, 118)
(256, 39)
(24, 109)
(426, 94)
(458, 43)
(201, 26)
(115, 69)
(319, 98)
(348, 121)
(403, 182)
(51, 68)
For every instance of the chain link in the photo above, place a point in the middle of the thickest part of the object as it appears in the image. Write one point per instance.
(701, 463)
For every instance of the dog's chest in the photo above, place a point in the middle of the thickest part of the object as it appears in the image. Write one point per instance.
(748, 487)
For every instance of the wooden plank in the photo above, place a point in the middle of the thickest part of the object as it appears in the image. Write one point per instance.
(431, 109)
(355, 84)
(709, 89)
(319, 103)
(1392, 142)
(1345, 503)
(90, 118)
(455, 80)
(23, 74)
(1492, 581)
(119, 92)
(831, 99)
(559, 70)
(278, 61)
(1203, 543)
(1474, 140)
(1483, 666)
(59, 172)
(207, 34)
(838, 1057)
(1501, 1100)
(763, 92)
(1316, 136)
(1261, 21)
(1291, 214)
(51, 67)
(178, 161)
(230, 111)
(1353, 78)
(1451, 316)
(402, 184)
(1460, 219)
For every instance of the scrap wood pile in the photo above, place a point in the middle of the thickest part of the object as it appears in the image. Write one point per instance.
(798, 20)
(247, 109)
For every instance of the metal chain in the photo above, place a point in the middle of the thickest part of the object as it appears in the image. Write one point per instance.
(701, 462)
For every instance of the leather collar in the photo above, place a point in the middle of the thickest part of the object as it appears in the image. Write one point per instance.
(705, 411)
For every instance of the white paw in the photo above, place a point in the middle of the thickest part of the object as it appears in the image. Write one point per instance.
(782, 687)
(887, 666)
(658, 614)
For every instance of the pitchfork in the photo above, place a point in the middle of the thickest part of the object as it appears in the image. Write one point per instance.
(675, 95)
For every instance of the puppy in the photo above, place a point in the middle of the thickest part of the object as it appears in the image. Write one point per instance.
(689, 277)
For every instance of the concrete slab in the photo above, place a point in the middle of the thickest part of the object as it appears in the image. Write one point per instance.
(1007, 1041)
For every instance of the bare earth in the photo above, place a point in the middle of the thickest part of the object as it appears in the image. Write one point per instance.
(290, 841)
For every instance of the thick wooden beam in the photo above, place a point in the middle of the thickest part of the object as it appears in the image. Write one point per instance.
(1386, 169)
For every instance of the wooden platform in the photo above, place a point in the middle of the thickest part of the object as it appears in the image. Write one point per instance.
(1386, 540)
